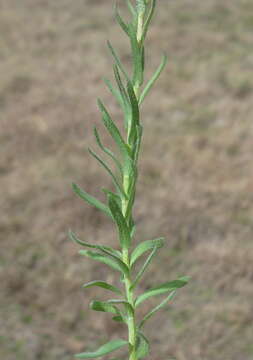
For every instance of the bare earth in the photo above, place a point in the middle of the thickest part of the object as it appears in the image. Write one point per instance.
(195, 185)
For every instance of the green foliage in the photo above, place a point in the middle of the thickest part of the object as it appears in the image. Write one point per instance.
(112, 261)
(144, 247)
(142, 346)
(103, 285)
(103, 350)
(162, 289)
(129, 95)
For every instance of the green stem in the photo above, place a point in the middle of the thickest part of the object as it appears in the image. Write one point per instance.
(131, 323)
(131, 316)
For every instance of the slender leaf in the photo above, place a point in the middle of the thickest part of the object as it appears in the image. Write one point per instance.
(144, 267)
(131, 8)
(138, 142)
(116, 197)
(120, 21)
(107, 151)
(137, 56)
(104, 306)
(114, 262)
(103, 350)
(145, 246)
(118, 318)
(157, 308)
(113, 130)
(121, 86)
(153, 79)
(90, 199)
(132, 191)
(106, 167)
(114, 92)
(105, 249)
(133, 230)
(103, 285)
(117, 94)
(117, 60)
(123, 95)
(135, 117)
(142, 346)
(124, 233)
(162, 289)
(125, 303)
(143, 58)
(134, 104)
(149, 17)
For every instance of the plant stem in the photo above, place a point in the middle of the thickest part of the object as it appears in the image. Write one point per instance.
(130, 95)
(131, 323)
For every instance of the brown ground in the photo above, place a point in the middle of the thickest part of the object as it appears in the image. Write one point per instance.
(196, 176)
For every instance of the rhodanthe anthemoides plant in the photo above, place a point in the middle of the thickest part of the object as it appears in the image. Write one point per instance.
(118, 206)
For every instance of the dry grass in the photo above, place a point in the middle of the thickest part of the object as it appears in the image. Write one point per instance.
(195, 179)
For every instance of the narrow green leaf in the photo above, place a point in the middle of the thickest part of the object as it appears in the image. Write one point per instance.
(113, 130)
(143, 59)
(105, 249)
(135, 116)
(118, 96)
(153, 79)
(134, 103)
(144, 267)
(117, 60)
(133, 230)
(120, 85)
(114, 91)
(138, 142)
(125, 303)
(103, 350)
(162, 289)
(114, 262)
(142, 346)
(107, 151)
(90, 199)
(118, 318)
(123, 95)
(130, 171)
(106, 167)
(120, 21)
(103, 285)
(116, 197)
(104, 306)
(137, 56)
(131, 8)
(124, 233)
(157, 308)
(132, 192)
(145, 246)
(149, 18)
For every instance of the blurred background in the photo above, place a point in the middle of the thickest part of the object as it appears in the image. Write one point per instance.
(195, 184)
